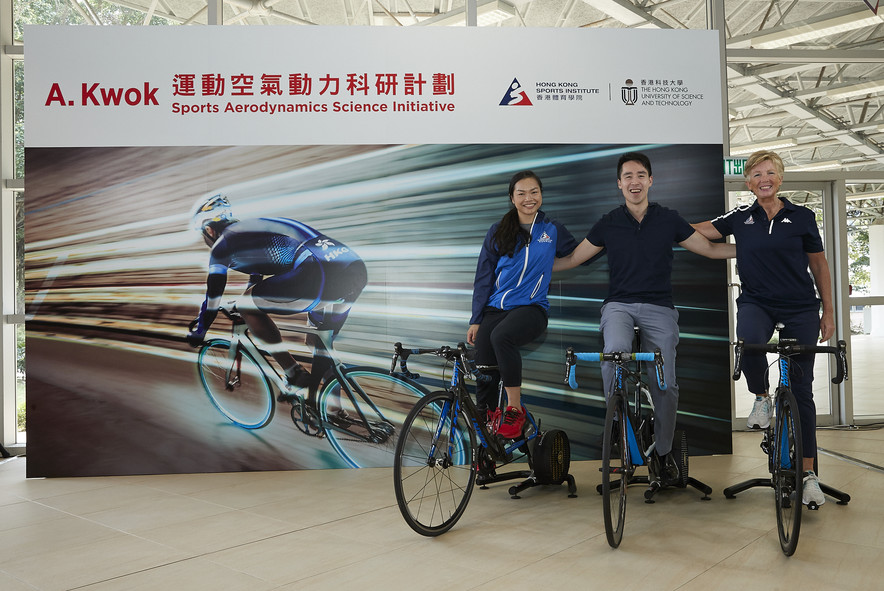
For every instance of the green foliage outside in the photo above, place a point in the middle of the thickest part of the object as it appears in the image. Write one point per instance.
(57, 12)
(858, 255)
(20, 407)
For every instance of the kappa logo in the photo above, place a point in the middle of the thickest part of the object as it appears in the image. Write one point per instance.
(749, 221)
(544, 238)
(516, 96)
(325, 243)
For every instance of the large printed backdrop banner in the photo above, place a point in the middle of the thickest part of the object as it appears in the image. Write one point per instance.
(397, 151)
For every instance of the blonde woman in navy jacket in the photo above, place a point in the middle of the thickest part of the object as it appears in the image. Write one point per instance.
(510, 307)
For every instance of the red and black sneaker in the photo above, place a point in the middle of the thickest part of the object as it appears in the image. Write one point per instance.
(512, 423)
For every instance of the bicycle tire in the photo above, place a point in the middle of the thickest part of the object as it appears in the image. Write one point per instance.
(788, 471)
(359, 445)
(433, 472)
(249, 403)
(615, 463)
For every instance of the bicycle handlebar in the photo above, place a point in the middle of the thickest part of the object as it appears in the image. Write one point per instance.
(789, 347)
(453, 354)
(619, 357)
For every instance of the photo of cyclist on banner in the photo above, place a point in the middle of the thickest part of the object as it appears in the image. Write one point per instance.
(292, 269)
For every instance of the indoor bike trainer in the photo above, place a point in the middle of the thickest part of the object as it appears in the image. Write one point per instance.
(549, 459)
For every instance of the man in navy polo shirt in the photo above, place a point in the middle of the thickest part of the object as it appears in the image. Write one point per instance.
(638, 237)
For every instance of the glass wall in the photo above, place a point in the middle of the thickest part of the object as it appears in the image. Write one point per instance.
(865, 239)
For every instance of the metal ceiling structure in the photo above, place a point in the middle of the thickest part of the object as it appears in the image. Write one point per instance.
(804, 77)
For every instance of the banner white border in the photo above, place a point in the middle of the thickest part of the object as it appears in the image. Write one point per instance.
(584, 85)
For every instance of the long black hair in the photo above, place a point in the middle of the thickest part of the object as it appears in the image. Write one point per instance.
(509, 230)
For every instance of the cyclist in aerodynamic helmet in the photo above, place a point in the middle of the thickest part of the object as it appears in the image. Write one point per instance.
(292, 269)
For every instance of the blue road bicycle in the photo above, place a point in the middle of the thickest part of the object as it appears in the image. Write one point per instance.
(782, 438)
(628, 440)
(446, 449)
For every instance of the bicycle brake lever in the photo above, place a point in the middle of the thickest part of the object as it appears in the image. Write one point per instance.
(840, 363)
(658, 367)
(738, 359)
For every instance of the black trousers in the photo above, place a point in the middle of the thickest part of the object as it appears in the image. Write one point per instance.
(500, 335)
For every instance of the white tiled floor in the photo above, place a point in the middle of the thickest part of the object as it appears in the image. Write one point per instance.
(332, 529)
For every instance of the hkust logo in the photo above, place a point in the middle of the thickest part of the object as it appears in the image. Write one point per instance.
(94, 94)
(629, 93)
(516, 96)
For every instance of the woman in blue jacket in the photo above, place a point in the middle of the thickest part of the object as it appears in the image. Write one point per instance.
(510, 308)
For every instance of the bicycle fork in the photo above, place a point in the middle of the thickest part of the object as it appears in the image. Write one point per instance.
(232, 374)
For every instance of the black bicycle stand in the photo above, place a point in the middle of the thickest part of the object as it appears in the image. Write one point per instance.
(841, 498)
(530, 480)
(549, 461)
(655, 486)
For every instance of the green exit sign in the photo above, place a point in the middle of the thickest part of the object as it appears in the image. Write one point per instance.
(734, 166)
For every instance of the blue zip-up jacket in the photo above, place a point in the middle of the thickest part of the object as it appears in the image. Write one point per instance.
(505, 282)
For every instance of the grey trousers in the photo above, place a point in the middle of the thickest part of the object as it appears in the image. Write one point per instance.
(659, 329)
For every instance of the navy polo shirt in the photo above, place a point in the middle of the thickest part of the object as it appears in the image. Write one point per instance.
(772, 254)
(640, 254)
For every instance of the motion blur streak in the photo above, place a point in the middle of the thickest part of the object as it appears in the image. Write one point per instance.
(114, 276)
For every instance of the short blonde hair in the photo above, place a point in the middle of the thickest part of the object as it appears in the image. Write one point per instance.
(762, 155)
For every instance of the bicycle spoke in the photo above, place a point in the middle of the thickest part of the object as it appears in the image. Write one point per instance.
(433, 470)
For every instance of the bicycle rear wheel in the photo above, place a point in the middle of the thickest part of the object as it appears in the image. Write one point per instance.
(788, 471)
(433, 471)
(615, 468)
(238, 388)
(364, 427)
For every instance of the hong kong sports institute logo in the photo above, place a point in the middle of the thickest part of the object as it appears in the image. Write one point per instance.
(516, 96)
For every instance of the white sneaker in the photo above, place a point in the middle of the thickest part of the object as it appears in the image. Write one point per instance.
(812, 492)
(762, 410)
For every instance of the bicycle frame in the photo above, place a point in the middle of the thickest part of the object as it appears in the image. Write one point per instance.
(463, 367)
(240, 340)
(623, 374)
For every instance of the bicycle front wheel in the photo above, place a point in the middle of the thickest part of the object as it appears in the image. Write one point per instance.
(615, 468)
(237, 386)
(788, 471)
(433, 471)
(364, 418)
